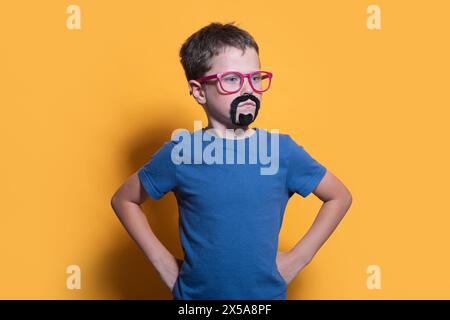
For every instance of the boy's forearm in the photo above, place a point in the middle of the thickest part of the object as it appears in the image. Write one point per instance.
(135, 222)
(326, 221)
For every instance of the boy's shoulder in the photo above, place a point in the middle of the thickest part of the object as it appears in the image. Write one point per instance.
(284, 138)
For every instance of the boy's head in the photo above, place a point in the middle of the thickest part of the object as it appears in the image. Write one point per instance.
(208, 57)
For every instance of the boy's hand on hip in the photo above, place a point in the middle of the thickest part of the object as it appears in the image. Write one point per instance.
(288, 266)
(169, 270)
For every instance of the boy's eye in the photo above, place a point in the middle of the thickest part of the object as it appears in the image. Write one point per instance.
(256, 77)
(232, 79)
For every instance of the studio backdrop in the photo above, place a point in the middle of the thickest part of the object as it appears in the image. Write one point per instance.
(89, 90)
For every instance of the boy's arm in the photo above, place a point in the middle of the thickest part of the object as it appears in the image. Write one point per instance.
(336, 202)
(126, 204)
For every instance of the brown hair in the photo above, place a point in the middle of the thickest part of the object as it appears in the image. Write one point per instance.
(197, 51)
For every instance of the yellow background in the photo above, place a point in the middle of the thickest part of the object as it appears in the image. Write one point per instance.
(81, 110)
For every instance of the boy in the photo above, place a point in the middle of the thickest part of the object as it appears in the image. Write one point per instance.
(230, 211)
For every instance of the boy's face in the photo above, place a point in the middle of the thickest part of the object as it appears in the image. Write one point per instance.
(216, 102)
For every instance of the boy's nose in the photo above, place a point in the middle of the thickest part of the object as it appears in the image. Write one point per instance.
(246, 87)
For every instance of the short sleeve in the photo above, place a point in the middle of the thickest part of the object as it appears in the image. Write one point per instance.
(304, 172)
(158, 175)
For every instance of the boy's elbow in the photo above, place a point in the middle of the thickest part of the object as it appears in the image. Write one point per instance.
(114, 202)
(347, 199)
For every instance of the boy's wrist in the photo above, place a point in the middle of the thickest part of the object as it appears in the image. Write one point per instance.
(299, 259)
(159, 258)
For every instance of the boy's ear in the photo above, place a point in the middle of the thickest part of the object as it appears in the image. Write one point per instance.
(196, 90)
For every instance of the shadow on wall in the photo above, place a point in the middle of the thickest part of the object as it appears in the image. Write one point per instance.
(127, 273)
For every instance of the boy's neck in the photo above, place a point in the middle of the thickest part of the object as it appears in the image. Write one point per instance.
(237, 132)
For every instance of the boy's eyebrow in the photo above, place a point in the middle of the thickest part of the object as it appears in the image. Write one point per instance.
(236, 70)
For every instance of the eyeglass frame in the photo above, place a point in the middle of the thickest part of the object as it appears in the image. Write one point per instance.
(242, 75)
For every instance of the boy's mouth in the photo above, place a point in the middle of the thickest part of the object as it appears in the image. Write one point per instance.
(247, 104)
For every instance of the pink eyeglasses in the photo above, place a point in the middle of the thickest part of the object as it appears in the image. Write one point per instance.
(232, 81)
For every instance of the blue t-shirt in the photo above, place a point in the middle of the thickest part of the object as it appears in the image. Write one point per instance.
(230, 215)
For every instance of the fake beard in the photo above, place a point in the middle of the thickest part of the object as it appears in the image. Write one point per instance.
(243, 119)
